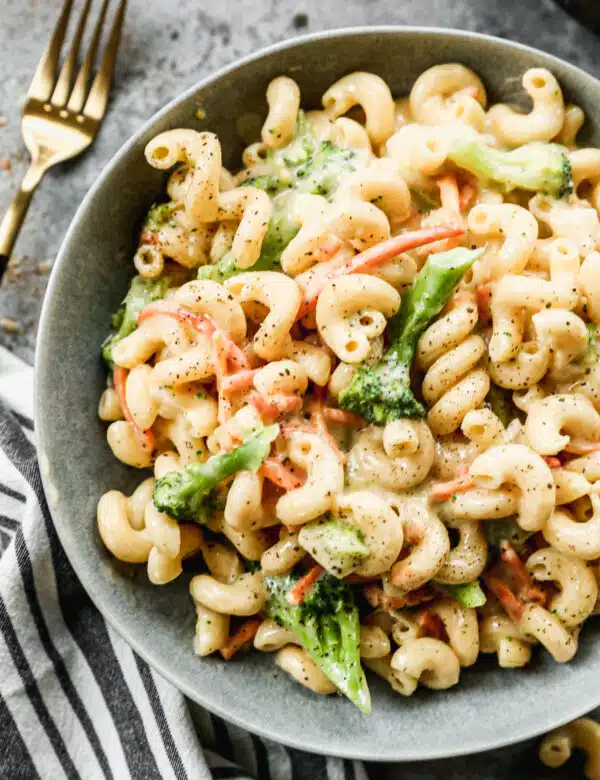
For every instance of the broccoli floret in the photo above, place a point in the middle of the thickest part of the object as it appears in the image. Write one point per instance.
(280, 232)
(468, 594)
(339, 547)
(141, 292)
(328, 626)
(382, 393)
(536, 166)
(159, 215)
(321, 173)
(188, 495)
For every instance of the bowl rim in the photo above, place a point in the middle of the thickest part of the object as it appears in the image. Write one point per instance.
(121, 626)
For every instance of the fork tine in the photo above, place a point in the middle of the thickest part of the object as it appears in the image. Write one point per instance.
(95, 105)
(45, 74)
(63, 85)
(80, 89)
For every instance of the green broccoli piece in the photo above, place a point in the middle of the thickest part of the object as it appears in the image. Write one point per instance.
(382, 393)
(339, 547)
(141, 292)
(501, 403)
(280, 232)
(506, 530)
(328, 626)
(321, 173)
(159, 215)
(468, 594)
(590, 358)
(536, 166)
(188, 495)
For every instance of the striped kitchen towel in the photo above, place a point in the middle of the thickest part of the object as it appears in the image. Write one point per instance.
(75, 700)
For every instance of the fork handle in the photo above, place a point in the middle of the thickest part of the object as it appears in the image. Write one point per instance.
(13, 219)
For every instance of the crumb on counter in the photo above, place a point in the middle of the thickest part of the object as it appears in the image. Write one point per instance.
(44, 267)
(9, 325)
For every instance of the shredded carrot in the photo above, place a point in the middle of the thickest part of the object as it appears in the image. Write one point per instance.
(525, 586)
(280, 475)
(148, 237)
(513, 606)
(349, 419)
(244, 634)
(145, 438)
(241, 380)
(304, 585)
(371, 258)
(431, 624)
(376, 597)
(275, 405)
(229, 352)
(449, 195)
(201, 323)
(317, 417)
(553, 461)
(287, 428)
(484, 300)
(168, 309)
(443, 491)
(467, 195)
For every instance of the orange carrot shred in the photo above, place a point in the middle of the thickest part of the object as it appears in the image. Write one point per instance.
(145, 438)
(553, 462)
(349, 419)
(526, 588)
(431, 624)
(168, 309)
(280, 475)
(148, 237)
(274, 406)
(467, 195)
(244, 634)
(241, 380)
(484, 299)
(317, 417)
(512, 605)
(443, 491)
(304, 585)
(449, 194)
(376, 597)
(373, 257)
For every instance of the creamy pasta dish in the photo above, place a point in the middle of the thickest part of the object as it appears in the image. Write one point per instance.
(362, 373)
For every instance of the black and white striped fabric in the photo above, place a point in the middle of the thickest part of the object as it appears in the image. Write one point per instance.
(75, 700)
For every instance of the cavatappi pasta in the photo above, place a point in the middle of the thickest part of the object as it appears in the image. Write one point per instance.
(363, 374)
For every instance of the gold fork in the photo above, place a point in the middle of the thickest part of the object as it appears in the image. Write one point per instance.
(61, 118)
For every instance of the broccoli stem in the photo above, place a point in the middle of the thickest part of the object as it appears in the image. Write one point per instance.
(327, 624)
(468, 594)
(382, 393)
(536, 166)
(186, 495)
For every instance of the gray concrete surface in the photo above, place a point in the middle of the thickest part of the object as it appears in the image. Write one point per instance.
(167, 46)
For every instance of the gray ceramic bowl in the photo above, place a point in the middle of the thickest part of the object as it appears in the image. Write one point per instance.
(490, 707)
